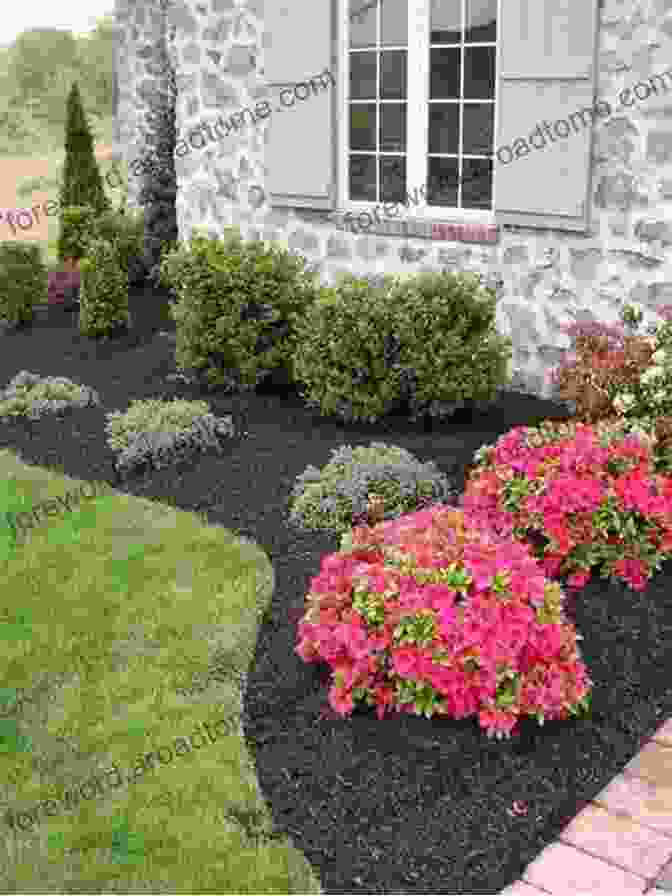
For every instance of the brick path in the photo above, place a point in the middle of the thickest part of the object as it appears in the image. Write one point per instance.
(621, 843)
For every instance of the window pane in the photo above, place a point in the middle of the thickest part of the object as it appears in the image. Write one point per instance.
(363, 126)
(362, 23)
(363, 76)
(444, 123)
(479, 73)
(392, 179)
(442, 182)
(394, 23)
(393, 127)
(477, 183)
(478, 121)
(363, 178)
(393, 75)
(446, 22)
(481, 21)
(444, 74)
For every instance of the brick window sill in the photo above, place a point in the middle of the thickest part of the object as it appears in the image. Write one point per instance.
(420, 228)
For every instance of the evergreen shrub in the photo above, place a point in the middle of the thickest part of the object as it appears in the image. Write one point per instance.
(336, 497)
(31, 395)
(157, 433)
(23, 281)
(82, 184)
(126, 231)
(77, 223)
(103, 295)
(426, 343)
(236, 309)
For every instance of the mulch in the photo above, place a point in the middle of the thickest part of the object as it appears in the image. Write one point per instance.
(406, 804)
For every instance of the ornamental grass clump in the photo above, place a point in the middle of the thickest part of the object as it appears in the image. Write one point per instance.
(581, 495)
(338, 496)
(430, 615)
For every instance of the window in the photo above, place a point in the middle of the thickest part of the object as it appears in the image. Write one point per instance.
(419, 104)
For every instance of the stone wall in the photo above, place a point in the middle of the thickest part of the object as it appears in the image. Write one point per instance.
(548, 278)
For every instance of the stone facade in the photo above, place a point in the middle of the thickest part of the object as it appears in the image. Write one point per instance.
(547, 279)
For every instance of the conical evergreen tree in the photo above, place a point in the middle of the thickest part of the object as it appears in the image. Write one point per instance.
(82, 183)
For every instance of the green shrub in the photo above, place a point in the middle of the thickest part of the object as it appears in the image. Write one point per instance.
(81, 183)
(343, 344)
(77, 224)
(103, 297)
(426, 339)
(23, 281)
(336, 497)
(126, 231)
(450, 341)
(236, 308)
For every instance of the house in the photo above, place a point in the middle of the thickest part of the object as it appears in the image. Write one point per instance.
(530, 140)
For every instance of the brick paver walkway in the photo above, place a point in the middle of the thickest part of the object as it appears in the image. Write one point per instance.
(621, 843)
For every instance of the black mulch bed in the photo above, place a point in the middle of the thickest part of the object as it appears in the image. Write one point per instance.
(403, 805)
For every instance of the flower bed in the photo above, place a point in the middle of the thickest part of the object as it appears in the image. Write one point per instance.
(427, 614)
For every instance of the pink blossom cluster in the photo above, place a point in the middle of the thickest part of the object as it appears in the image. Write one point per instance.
(427, 614)
(595, 500)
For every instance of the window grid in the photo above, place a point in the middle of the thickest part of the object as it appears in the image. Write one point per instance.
(377, 153)
(461, 155)
(461, 100)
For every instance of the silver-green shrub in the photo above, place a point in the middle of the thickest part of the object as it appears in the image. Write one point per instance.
(336, 497)
(31, 395)
(160, 433)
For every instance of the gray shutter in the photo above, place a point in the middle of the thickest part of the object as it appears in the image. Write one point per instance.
(300, 151)
(547, 71)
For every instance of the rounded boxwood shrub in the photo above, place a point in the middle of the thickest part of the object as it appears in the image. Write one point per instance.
(158, 433)
(236, 307)
(428, 340)
(31, 395)
(23, 282)
(336, 497)
(431, 614)
(103, 296)
(346, 349)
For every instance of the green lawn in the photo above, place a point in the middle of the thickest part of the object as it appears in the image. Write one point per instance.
(111, 613)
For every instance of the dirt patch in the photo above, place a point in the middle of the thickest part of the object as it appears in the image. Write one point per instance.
(12, 172)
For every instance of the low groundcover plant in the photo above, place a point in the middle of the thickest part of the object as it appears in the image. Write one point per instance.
(582, 495)
(336, 496)
(31, 395)
(161, 432)
(428, 614)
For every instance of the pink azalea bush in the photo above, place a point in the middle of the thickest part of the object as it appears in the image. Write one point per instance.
(427, 614)
(582, 495)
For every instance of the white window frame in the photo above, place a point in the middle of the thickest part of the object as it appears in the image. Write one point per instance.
(417, 121)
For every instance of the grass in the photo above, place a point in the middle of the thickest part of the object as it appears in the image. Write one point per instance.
(402, 805)
(109, 614)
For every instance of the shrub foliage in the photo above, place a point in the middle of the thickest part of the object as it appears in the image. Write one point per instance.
(426, 342)
(103, 292)
(23, 282)
(236, 308)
